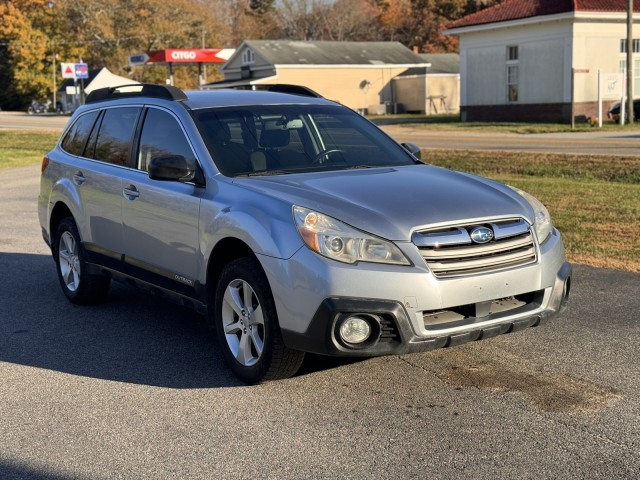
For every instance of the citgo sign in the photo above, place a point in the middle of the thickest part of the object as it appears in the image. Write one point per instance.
(189, 55)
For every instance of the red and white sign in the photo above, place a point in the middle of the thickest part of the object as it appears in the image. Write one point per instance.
(68, 70)
(74, 70)
(190, 55)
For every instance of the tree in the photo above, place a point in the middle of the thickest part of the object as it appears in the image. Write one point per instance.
(419, 23)
(27, 47)
(102, 33)
(114, 29)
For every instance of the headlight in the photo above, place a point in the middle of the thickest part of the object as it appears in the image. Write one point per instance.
(338, 241)
(541, 218)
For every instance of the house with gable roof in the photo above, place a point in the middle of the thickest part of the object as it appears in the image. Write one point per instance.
(529, 60)
(357, 74)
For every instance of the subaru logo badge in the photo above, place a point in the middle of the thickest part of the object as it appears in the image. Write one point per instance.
(481, 235)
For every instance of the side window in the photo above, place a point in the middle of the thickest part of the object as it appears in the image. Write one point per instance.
(162, 136)
(76, 138)
(113, 144)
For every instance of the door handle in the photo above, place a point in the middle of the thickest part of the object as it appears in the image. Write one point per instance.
(79, 178)
(131, 192)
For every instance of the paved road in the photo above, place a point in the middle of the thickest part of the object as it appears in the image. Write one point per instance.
(22, 121)
(594, 142)
(134, 388)
(580, 143)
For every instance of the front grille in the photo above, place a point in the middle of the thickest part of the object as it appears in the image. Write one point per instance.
(450, 252)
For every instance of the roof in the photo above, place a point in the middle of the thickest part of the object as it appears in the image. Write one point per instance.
(238, 98)
(197, 99)
(442, 62)
(521, 9)
(439, 63)
(290, 52)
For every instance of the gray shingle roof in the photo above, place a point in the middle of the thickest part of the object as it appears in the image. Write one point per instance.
(447, 63)
(290, 52)
(442, 62)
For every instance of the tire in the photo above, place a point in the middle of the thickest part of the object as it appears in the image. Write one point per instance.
(78, 285)
(246, 325)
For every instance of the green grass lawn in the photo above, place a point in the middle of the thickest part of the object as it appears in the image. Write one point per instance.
(18, 148)
(594, 200)
(452, 122)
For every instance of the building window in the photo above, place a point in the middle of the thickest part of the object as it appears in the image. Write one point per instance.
(512, 73)
(636, 45)
(248, 57)
(636, 74)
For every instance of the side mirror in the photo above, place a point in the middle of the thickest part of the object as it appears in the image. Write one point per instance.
(171, 168)
(413, 149)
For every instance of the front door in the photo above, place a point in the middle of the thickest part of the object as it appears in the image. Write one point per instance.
(161, 218)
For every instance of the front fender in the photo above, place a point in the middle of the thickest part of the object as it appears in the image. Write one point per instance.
(264, 233)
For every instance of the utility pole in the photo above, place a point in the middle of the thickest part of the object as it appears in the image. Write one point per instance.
(630, 61)
(54, 78)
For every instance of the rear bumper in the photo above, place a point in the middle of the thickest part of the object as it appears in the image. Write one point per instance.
(393, 332)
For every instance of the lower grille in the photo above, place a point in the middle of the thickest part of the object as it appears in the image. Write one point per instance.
(388, 330)
(476, 312)
(451, 252)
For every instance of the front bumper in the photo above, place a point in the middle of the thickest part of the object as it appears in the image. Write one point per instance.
(393, 332)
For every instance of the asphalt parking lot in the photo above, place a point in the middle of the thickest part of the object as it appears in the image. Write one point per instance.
(134, 388)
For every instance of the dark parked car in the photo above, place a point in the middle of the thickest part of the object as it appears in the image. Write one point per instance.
(614, 111)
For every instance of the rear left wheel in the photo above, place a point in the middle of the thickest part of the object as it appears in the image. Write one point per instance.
(77, 284)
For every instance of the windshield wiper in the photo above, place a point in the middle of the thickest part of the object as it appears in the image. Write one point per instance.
(265, 173)
(356, 167)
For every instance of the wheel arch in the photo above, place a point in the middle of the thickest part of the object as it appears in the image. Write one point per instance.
(59, 212)
(225, 251)
(64, 201)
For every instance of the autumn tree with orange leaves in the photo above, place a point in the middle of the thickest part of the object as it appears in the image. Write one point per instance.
(106, 32)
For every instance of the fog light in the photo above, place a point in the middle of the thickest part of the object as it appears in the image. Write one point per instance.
(355, 330)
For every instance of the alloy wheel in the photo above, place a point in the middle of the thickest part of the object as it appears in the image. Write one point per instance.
(243, 322)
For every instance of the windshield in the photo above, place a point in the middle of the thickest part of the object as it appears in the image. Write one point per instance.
(280, 139)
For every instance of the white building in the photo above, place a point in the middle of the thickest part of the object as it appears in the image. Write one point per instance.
(432, 90)
(527, 60)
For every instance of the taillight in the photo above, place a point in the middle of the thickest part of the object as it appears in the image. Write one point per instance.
(45, 163)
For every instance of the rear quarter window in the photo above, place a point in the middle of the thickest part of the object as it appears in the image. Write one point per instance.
(76, 138)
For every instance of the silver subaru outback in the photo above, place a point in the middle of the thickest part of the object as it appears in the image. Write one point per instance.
(294, 224)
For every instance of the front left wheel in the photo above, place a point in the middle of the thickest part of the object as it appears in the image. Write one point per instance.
(247, 326)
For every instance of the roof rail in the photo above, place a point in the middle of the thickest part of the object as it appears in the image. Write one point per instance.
(168, 92)
(291, 89)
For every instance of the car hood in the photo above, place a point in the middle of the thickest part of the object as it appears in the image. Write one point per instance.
(392, 202)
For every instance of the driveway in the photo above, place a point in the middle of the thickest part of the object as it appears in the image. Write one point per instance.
(134, 388)
(596, 142)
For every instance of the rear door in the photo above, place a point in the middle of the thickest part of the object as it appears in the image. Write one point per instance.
(161, 218)
(98, 176)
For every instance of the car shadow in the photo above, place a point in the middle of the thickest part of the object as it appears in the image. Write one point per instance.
(133, 337)
(15, 472)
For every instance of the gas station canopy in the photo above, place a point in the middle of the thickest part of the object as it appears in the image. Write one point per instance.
(190, 55)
